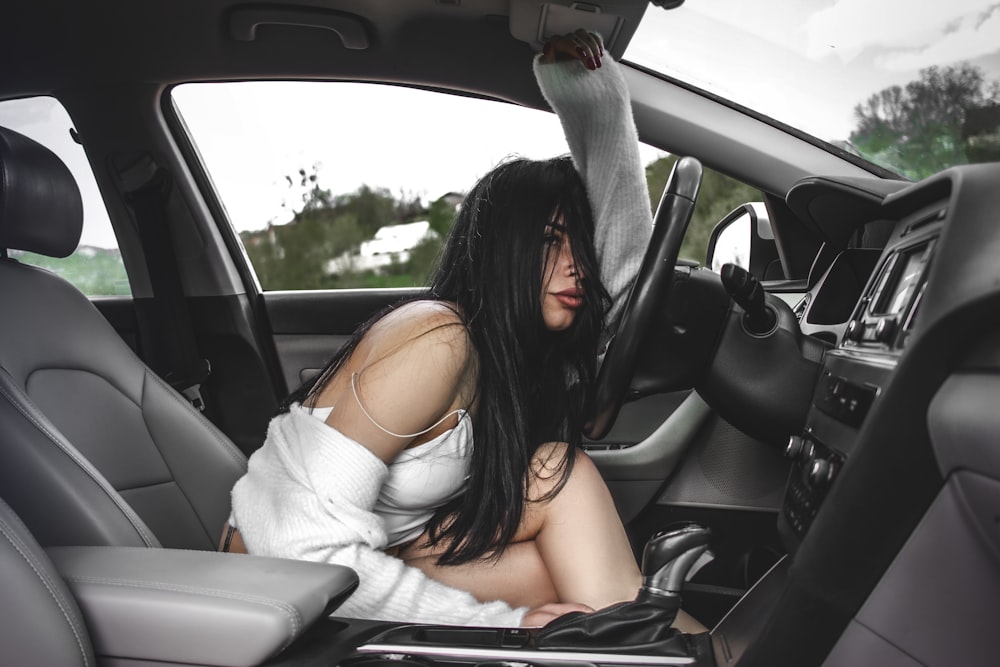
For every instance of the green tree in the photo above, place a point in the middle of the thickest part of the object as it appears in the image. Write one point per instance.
(717, 196)
(920, 128)
(371, 207)
(424, 259)
(93, 271)
(314, 249)
(324, 227)
(441, 216)
(313, 197)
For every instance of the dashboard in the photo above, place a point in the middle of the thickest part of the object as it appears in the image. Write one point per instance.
(868, 302)
(909, 304)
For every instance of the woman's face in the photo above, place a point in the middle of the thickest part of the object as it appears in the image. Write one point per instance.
(562, 294)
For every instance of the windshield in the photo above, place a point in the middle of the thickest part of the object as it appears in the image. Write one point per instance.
(911, 87)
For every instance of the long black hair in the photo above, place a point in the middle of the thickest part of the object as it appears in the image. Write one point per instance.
(532, 383)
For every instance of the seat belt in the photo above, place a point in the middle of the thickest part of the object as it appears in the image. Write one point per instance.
(167, 327)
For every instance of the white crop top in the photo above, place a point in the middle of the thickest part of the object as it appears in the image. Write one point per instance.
(421, 479)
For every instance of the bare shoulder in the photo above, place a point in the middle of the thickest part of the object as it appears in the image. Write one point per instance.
(428, 314)
(409, 371)
(433, 330)
(438, 320)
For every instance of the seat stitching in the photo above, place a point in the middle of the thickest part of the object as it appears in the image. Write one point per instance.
(173, 476)
(87, 468)
(235, 454)
(237, 457)
(288, 610)
(86, 371)
(11, 537)
(143, 487)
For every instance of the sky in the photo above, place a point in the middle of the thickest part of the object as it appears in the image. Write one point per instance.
(819, 59)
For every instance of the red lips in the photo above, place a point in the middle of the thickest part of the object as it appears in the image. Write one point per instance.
(571, 298)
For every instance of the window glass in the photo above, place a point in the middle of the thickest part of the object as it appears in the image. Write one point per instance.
(96, 267)
(912, 91)
(345, 185)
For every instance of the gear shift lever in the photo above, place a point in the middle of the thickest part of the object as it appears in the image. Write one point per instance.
(668, 558)
(641, 626)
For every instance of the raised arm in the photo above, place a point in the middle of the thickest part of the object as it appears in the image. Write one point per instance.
(596, 114)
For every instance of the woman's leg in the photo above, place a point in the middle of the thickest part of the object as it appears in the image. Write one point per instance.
(571, 547)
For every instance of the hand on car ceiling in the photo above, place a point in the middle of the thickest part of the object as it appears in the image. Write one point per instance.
(580, 45)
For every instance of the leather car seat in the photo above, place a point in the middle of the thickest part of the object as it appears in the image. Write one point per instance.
(40, 622)
(95, 449)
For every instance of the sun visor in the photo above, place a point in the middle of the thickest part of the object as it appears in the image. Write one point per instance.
(534, 21)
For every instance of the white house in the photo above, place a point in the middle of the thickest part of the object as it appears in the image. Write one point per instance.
(390, 243)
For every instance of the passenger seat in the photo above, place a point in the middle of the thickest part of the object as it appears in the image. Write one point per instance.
(95, 449)
(40, 622)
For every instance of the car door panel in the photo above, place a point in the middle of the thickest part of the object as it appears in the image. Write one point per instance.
(649, 438)
(309, 326)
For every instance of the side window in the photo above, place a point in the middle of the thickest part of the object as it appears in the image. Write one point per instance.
(345, 185)
(96, 267)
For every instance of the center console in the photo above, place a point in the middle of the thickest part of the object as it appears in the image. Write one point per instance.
(855, 373)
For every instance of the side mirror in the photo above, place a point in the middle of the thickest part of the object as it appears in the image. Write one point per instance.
(744, 238)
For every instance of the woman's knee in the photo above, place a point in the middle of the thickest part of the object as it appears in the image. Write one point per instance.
(556, 464)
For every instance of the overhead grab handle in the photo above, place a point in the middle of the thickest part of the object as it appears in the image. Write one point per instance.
(244, 21)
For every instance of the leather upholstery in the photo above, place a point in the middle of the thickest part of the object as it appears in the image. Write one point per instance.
(196, 607)
(87, 432)
(40, 623)
(40, 206)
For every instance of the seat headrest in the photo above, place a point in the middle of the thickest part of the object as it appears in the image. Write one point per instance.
(40, 206)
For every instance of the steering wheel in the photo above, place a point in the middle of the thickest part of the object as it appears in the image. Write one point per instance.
(649, 292)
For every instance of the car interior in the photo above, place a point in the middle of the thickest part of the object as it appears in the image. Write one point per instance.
(802, 447)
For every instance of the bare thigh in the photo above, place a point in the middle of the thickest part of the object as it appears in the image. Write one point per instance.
(568, 548)
(519, 577)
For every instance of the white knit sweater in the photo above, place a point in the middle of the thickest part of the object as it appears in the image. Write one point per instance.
(596, 117)
(309, 490)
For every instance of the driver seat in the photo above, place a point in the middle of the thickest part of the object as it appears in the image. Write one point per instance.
(95, 449)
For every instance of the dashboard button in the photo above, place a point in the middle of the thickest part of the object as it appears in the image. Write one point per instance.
(820, 472)
(796, 443)
(885, 329)
(855, 330)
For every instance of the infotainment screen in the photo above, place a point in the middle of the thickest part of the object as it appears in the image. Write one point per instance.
(901, 282)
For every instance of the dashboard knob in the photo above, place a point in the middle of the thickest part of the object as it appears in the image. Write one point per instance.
(884, 330)
(821, 472)
(794, 447)
(855, 330)
(798, 447)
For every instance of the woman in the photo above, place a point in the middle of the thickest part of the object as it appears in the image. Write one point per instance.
(372, 465)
